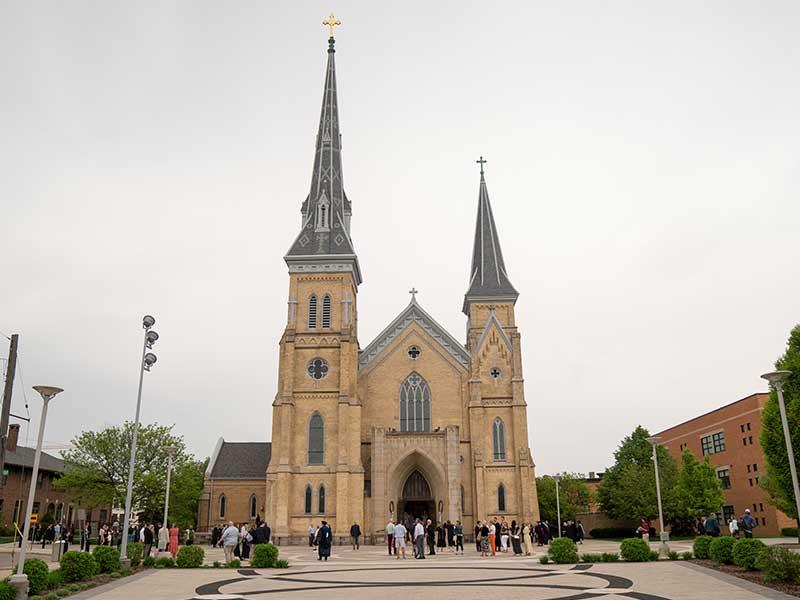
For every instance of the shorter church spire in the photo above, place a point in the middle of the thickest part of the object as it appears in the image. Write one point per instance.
(488, 277)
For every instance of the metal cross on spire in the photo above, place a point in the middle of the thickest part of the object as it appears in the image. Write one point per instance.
(413, 291)
(482, 162)
(332, 22)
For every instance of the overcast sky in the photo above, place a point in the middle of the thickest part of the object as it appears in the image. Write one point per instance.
(643, 171)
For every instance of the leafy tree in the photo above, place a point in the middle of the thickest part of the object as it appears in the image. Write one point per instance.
(697, 491)
(97, 471)
(628, 489)
(778, 480)
(573, 493)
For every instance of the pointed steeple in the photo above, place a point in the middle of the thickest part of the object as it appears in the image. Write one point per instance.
(325, 230)
(488, 277)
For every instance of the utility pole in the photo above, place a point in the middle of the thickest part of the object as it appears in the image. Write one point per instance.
(6, 410)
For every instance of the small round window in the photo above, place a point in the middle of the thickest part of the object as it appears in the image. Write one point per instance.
(317, 368)
(495, 372)
(414, 352)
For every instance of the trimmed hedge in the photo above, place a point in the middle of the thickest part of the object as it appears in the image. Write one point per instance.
(608, 557)
(720, 551)
(635, 550)
(746, 551)
(55, 579)
(165, 562)
(36, 570)
(282, 564)
(107, 558)
(591, 558)
(700, 546)
(779, 564)
(135, 552)
(789, 532)
(7, 591)
(150, 561)
(190, 557)
(78, 566)
(600, 533)
(563, 551)
(264, 556)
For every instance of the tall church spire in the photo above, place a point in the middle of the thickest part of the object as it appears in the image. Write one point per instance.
(488, 277)
(325, 230)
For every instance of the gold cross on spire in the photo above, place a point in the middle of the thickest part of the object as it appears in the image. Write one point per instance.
(332, 22)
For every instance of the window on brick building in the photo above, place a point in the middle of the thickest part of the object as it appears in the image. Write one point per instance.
(750, 439)
(763, 520)
(751, 482)
(744, 441)
(714, 443)
(724, 478)
(501, 498)
(748, 427)
(728, 512)
(755, 467)
(742, 428)
(761, 506)
(748, 468)
(756, 480)
(754, 507)
(253, 506)
(222, 507)
(316, 440)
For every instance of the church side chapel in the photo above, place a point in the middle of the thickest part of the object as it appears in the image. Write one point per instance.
(416, 422)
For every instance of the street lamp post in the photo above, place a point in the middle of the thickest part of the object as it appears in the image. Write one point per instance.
(663, 549)
(20, 580)
(776, 378)
(148, 360)
(170, 451)
(557, 478)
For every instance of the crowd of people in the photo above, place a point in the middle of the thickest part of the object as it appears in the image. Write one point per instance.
(237, 539)
(737, 527)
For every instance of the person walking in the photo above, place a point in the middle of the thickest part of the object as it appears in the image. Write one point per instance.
(747, 524)
(355, 534)
(398, 537)
(390, 539)
(644, 530)
(174, 532)
(491, 535)
(712, 526)
(229, 540)
(458, 534)
(147, 540)
(324, 541)
(419, 540)
(581, 532)
(733, 527)
(312, 534)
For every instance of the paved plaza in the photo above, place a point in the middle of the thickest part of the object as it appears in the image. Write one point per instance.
(369, 573)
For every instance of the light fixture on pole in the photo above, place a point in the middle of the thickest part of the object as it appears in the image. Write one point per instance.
(170, 451)
(148, 360)
(776, 378)
(663, 549)
(20, 580)
(557, 478)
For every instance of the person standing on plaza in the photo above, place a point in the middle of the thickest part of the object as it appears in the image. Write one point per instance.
(419, 540)
(147, 540)
(398, 538)
(504, 535)
(485, 537)
(526, 538)
(245, 540)
(491, 534)
(355, 534)
(747, 524)
(390, 527)
(229, 540)
(174, 532)
(733, 527)
(458, 534)
(431, 534)
(581, 532)
(712, 526)
(644, 530)
(324, 541)
(478, 536)
(312, 534)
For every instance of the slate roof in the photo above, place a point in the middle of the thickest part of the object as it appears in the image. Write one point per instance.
(241, 460)
(23, 457)
(488, 276)
(327, 186)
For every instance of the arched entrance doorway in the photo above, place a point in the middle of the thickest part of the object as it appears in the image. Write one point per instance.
(416, 499)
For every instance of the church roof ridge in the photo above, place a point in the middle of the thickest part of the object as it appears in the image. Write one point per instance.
(488, 276)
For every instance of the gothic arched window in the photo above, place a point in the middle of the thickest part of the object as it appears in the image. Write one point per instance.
(463, 506)
(312, 312)
(222, 503)
(499, 439)
(316, 439)
(307, 508)
(326, 312)
(415, 404)
(253, 506)
(321, 500)
(501, 498)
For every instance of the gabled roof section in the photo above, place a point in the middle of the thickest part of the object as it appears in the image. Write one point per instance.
(488, 276)
(413, 313)
(326, 209)
(489, 322)
(240, 460)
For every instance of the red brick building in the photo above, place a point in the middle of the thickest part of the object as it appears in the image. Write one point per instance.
(729, 436)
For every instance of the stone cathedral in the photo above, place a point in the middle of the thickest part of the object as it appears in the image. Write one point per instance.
(414, 422)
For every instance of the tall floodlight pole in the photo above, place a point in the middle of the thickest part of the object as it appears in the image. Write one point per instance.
(776, 378)
(663, 550)
(170, 451)
(148, 360)
(557, 478)
(20, 580)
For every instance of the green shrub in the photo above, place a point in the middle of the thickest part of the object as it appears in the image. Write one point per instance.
(687, 555)
(107, 558)
(591, 558)
(150, 561)
(608, 557)
(779, 564)
(165, 562)
(135, 552)
(600, 533)
(190, 557)
(721, 550)
(125, 571)
(635, 550)
(746, 551)
(74, 587)
(217, 564)
(37, 571)
(264, 556)
(55, 579)
(544, 559)
(673, 555)
(282, 564)
(654, 555)
(234, 564)
(52, 595)
(7, 591)
(563, 551)
(63, 592)
(700, 546)
(78, 566)
(789, 532)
